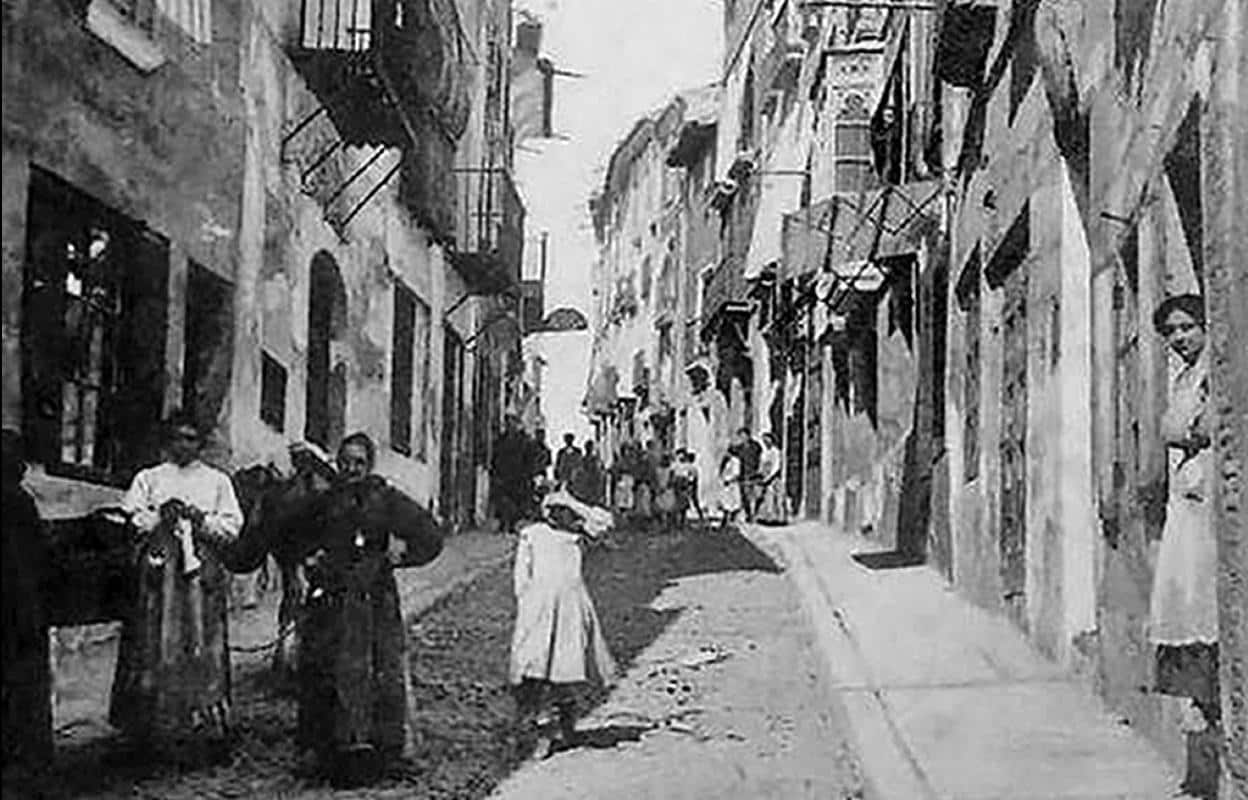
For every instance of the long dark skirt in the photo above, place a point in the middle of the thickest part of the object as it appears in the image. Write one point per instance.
(1190, 670)
(171, 693)
(352, 692)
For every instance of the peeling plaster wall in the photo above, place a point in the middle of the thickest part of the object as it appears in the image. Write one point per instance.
(381, 248)
(161, 147)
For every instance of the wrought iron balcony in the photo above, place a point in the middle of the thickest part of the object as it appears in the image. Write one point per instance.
(489, 245)
(377, 65)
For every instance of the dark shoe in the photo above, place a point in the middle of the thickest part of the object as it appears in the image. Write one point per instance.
(356, 766)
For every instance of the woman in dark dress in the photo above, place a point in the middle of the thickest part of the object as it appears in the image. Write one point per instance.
(352, 684)
(27, 704)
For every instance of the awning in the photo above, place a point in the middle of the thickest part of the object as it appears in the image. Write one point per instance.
(886, 222)
(781, 189)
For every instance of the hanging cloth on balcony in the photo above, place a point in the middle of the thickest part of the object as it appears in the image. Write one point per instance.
(781, 190)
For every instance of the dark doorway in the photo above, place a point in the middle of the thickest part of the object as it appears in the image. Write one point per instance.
(209, 344)
(1007, 273)
(452, 426)
(327, 380)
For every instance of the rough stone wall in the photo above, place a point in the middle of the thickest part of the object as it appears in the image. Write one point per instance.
(1227, 295)
(160, 147)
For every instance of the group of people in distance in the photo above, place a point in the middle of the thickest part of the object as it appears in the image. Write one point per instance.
(650, 485)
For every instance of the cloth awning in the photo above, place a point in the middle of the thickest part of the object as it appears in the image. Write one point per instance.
(864, 227)
(781, 190)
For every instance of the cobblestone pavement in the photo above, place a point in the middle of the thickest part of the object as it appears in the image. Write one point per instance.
(725, 703)
(720, 697)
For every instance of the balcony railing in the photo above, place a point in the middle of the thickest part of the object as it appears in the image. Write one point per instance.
(489, 245)
(377, 63)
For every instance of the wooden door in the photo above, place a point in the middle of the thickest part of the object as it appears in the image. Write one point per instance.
(814, 432)
(1013, 446)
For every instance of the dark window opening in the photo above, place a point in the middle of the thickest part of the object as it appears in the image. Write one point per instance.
(1183, 173)
(968, 294)
(402, 370)
(272, 393)
(1023, 63)
(209, 342)
(326, 381)
(1012, 250)
(902, 313)
(94, 310)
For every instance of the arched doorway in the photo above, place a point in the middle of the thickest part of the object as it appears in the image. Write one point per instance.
(326, 398)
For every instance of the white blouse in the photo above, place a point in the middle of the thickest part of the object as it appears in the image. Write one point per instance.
(196, 484)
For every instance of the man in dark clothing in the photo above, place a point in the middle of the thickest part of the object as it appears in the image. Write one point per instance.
(588, 482)
(511, 474)
(540, 458)
(567, 461)
(750, 452)
(27, 705)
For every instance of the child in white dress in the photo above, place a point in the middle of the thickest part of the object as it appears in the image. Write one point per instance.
(557, 646)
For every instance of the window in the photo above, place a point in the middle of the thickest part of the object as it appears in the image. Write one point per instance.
(402, 368)
(326, 401)
(409, 375)
(95, 297)
(272, 393)
(209, 342)
(968, 293)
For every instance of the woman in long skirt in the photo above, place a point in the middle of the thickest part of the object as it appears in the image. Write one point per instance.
(771, 506)
(352, 673)
(557, 648)
(730, 501)
(171, 693)
(1183, 615)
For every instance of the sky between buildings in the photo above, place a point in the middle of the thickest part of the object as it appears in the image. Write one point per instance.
(635, 55)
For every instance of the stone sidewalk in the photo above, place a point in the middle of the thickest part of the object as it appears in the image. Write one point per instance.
(944, 699)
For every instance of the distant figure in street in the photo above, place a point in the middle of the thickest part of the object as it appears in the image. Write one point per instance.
(1183, 613)
(685, 483)
(539, 465)
(352, 669)
(624, 474)
(589, 482)
(568, 460)
(171, 693)
(750, 453)
(772, 502)
(511, 474)
(557, 646)
(665, 492)
(27, 703)
(730, 487)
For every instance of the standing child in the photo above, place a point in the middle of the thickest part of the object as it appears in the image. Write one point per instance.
(730, 500)
(557, 647)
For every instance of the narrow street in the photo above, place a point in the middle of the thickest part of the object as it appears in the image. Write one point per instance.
(721, 695)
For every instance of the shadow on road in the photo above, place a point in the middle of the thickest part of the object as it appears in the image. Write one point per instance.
(466, 740)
